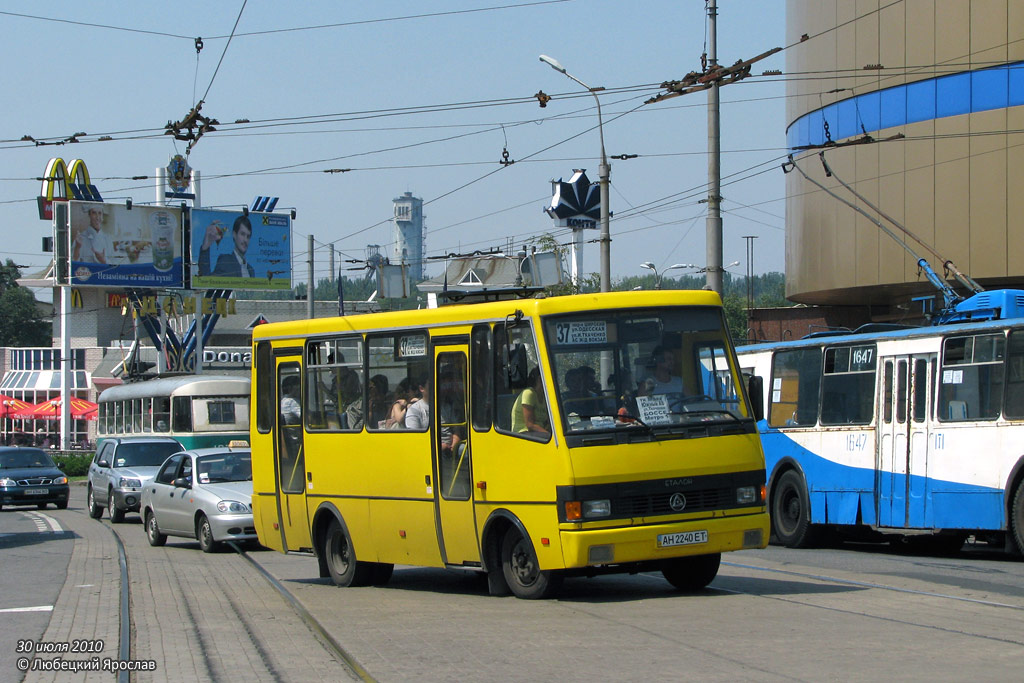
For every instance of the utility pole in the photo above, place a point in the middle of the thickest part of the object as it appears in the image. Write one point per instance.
(714, 219)
(750, 278)
(309, 281)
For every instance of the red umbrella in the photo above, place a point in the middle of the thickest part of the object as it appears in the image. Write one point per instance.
(50, 410)
(9, 406)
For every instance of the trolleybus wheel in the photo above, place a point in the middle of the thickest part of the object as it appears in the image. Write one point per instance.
(95, 511)
(692, 573)
(791, 512)
(522, 571)
(1017, 517)
(341, 558)
(116, 515)
(153, 534)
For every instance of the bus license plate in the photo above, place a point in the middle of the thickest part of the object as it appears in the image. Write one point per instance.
(36, 492)
(683, 538)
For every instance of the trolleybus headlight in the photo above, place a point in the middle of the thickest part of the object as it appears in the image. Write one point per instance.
(597, 508)
(232, 506)
(128, 483)
(746, 495)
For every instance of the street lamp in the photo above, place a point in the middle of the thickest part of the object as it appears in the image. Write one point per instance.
(658, 276)
(604, 174)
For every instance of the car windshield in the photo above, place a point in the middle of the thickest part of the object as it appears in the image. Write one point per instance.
(644, 368)
(25, 457)
(221, 467)
(144, 454)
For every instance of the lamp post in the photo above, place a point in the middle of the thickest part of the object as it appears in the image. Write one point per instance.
(658, 276)
(604, 174)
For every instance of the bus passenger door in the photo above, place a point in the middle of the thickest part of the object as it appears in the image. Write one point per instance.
(453, 458)
(902, 460)
(290, 458)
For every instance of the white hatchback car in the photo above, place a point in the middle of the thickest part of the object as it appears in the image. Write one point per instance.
(205, 494)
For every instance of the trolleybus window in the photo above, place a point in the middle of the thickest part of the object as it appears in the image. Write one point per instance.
(1014, 404)
(796, 380)
(971, 381)
(848, 385)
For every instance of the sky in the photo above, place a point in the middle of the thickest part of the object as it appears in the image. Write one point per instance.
(410, 97)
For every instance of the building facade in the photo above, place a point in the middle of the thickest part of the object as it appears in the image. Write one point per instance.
(932, 92)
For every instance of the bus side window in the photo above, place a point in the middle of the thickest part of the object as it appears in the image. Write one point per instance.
(181, 413)
(482, 372)
(264, 387)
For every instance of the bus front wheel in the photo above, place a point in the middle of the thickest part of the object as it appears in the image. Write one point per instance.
(692, 573)
(522, 570)
(345, 570)
(791, 512)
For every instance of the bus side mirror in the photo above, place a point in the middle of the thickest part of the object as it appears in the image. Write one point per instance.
(516, 366)
(755, 391)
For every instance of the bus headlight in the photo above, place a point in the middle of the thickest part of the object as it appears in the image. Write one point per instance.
(597, 508)
(745, 495)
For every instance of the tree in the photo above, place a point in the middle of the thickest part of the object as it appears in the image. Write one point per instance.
(22, 326)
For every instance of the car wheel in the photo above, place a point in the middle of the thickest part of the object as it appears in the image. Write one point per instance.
(692, 573)
(204, 534)
(345, 570)
(95, 510)
(791, 512)
(116, 513)
(522, 570)
(153, 534)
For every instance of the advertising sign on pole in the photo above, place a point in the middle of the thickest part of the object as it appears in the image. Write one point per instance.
(237, 250)
(112, 245)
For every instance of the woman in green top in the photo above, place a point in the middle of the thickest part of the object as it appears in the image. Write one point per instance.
(529, 412)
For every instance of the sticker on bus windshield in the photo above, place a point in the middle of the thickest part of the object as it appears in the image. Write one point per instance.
(653, 409)
(412, 346)
(594, 332)
(952, 376)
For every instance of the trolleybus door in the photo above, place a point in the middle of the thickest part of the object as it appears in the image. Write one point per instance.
(290, 458)
(902, 459)
(453, 470)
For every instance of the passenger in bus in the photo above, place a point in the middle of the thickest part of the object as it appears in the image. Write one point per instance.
(291, 412)
(417, 416)
(579, 397)
(529, 412)
(452, 407)
(400, 401)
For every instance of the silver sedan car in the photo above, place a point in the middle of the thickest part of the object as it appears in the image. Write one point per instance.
(205, 494)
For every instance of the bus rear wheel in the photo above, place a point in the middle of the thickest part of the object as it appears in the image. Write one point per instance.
(791, 512)
(522, 570)
(1017, 517)
(345, 570)
(692, 573)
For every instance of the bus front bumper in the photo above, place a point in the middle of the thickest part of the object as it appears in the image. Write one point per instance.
(643, 543)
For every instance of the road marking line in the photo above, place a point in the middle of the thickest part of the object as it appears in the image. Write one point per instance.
(39, 608)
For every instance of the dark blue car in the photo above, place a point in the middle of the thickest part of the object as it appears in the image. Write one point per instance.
(29, 477)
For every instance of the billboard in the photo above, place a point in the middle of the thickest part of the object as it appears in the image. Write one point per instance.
(237, 250)
(112, 245)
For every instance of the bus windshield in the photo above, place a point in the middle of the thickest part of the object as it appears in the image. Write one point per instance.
(644, 368)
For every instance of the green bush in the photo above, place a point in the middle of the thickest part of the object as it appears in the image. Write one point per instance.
(73, 464)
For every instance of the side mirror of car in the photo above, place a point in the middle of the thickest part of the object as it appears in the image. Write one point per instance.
(183, 483)
(102, 463)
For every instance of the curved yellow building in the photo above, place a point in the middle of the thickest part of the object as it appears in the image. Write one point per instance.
(949, 77)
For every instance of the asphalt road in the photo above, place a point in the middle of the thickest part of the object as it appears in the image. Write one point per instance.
(34, 554)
